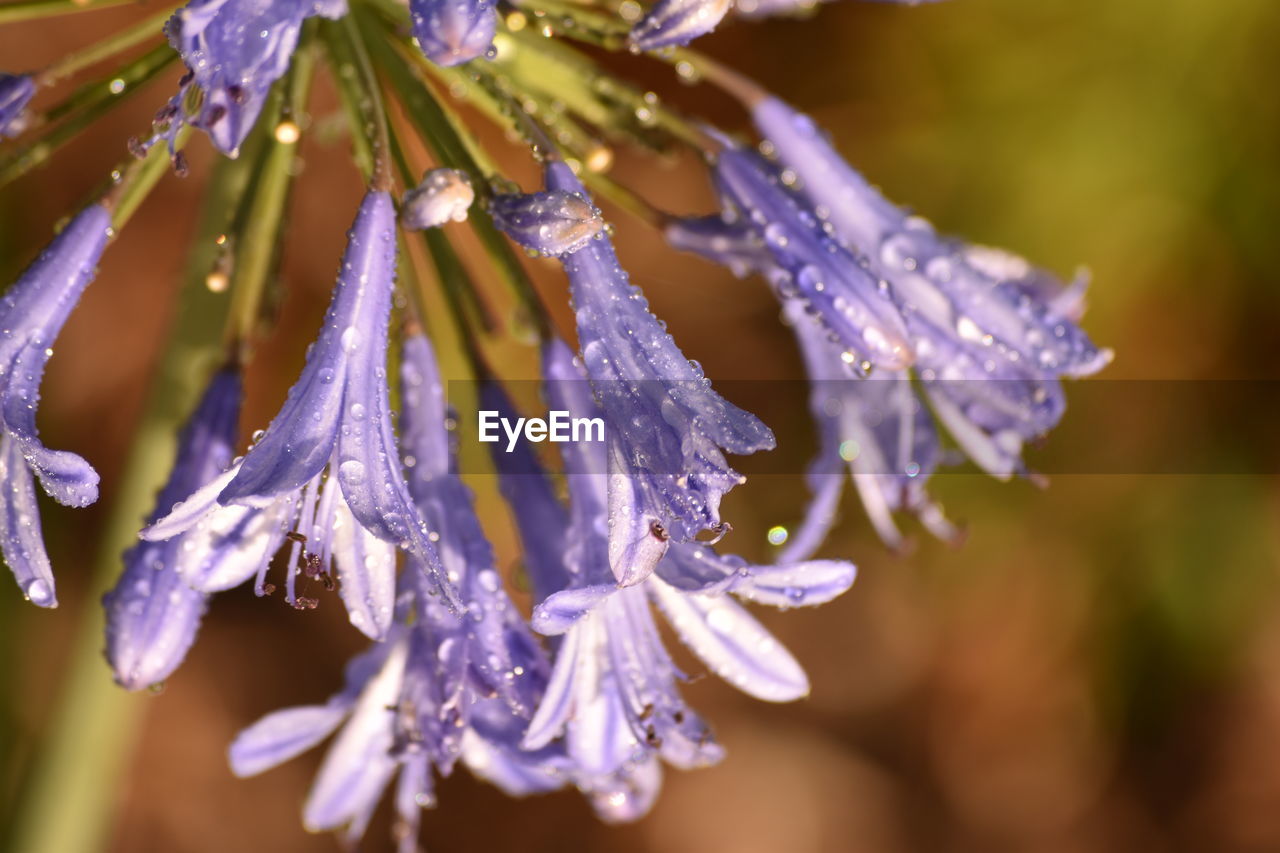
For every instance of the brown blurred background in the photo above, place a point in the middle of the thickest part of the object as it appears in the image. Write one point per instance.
(1096, 669)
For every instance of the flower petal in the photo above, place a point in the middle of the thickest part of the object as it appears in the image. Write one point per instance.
(797, 584)
(359, 764)
(282, 735)
(562, 610)
(366, 573)
(733, 644)
(20, 537)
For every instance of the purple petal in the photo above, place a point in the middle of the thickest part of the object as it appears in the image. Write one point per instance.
(359, 764)
(961, 291)
(562, 610)
(300, 440)
(550, 223)
(677, 22)
(282, 735)
(823, 275)
(796, 584)
(152, 615)
(572, 664)
(733, 644)
(366, 573)
(20, 536)
(369, 466)
(32, 313)
(637, 538)
(451, 32)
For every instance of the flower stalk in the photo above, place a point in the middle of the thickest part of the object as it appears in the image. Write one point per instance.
(73, 63)
(256, 247)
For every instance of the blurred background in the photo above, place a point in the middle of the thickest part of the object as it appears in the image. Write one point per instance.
(1097, 668)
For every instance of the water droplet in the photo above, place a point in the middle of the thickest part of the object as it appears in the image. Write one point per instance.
(38, 592)
(351, 472)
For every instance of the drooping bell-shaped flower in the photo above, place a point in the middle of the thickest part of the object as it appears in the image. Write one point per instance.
(409, 705)
(445, 686)
(443, 196)
(235, 50)
(666, 429)
(613, 693)
(16, 91)
(551, 223)
(152, 614)
(989, 335)
(496, 655)
(326, 474)
(32, 313)
(451, 32)
(677, 22)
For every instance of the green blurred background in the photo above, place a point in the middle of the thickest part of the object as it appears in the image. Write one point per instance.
(1096, 669)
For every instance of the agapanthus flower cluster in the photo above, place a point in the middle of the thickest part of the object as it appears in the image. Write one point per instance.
(910, 339)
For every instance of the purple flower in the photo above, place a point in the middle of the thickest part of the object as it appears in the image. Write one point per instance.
(32, 312)
(988, 335)
(236, 50)
(336, 419)
(667, 430)
(550, 223)
(451, 32)
(498, 655)
(444, 686)
(677, 22)
(989, 346)
(371, 747)
(16, 91)
(152, 614)
(613, 693)
(443, 196)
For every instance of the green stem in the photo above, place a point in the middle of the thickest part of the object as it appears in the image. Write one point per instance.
(145, 29)
(123, 80)
(28, 10)
(85, 106)
(255, 235)
(75, 783)
(362, 98)
(549, 17)
(437, 127)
